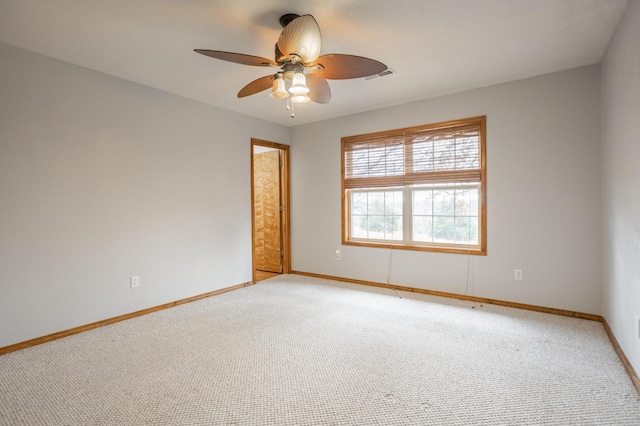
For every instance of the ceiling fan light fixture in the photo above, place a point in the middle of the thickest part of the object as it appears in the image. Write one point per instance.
(298, 63)
(301, 98)
(298, 84)
(279, 90)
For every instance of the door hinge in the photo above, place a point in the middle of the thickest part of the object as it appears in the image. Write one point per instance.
(281, 208)
(281, 252)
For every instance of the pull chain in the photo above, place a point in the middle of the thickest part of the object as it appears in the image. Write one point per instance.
(290, 108)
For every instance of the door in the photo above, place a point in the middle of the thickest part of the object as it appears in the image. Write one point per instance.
(266, 210)
(270, 207)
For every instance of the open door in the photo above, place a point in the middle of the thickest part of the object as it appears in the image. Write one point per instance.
(267, 221)
(270, 208)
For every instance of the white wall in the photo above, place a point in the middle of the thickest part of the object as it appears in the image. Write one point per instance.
(543, 179)
(102, 179)
(621, 183)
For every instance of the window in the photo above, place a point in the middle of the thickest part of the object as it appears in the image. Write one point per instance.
(420, 188)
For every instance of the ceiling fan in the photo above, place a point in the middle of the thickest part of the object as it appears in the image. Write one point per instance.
(301, 73)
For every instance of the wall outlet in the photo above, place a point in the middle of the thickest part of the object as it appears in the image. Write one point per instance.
(517, 274)
(338, 255)
(637, 327)
(134, 282)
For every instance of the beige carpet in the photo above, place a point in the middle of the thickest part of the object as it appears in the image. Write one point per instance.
(301, 351)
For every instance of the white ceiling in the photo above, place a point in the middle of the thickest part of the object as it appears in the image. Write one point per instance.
(436, 47)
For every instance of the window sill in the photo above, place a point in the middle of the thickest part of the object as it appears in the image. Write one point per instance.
(476, 251)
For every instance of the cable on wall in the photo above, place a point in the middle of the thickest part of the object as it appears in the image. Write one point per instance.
(469, 283)
(466, 288)
(389, 273)
(389, 267)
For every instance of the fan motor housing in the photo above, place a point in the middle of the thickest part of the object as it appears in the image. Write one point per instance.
(285, 19)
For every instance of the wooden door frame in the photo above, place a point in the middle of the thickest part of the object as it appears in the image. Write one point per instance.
(285, 214)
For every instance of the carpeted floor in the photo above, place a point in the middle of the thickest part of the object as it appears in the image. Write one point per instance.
(295, 350)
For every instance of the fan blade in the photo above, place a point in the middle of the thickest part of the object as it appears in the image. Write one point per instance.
(301, 37)
(262, 83)
(342, 67)
(319, 90)
(238, 58)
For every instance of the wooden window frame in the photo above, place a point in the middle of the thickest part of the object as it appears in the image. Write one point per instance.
(407, 184)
